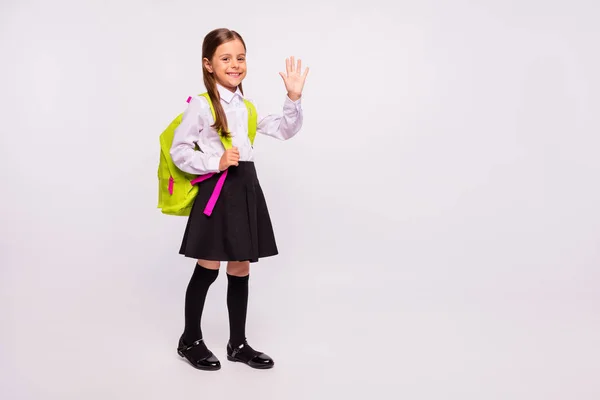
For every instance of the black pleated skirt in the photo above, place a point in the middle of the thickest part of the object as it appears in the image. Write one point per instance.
(239, 228)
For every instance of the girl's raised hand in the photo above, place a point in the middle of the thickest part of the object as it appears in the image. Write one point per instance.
(294, 78)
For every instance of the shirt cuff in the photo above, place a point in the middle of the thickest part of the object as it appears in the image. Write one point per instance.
(296, 104)
(213, 164)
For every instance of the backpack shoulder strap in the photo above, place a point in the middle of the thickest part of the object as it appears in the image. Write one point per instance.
(252, 120)
(212, 109)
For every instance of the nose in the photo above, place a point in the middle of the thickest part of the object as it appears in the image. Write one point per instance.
(234, 63)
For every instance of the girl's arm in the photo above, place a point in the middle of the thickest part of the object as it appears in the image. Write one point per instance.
(287, 125)
(187, 134)
(283, 126)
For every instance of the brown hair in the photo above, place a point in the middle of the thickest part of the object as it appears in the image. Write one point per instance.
(213, 40)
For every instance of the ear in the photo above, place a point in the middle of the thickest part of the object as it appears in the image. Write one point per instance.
(207, 65)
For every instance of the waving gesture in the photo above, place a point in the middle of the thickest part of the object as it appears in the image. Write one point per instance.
(294, 79)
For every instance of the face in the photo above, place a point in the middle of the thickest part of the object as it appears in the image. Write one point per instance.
(228, 64)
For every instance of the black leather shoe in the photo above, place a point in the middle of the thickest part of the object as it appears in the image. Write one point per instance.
(247, 355)
(207, 363)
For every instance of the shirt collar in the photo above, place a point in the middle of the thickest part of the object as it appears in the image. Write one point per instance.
(227, 95)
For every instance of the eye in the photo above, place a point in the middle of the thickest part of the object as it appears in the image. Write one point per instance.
(226, 59)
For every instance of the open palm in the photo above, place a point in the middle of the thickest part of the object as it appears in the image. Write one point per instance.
(294, 78)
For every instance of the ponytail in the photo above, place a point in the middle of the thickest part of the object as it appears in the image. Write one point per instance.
(220, 124)
(210, 44)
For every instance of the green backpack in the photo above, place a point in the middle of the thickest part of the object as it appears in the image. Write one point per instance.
(178, 189)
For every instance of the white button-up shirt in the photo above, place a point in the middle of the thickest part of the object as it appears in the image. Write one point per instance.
(195, 128)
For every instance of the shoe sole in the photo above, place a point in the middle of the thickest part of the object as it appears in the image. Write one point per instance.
(251, 366)
(197, 367)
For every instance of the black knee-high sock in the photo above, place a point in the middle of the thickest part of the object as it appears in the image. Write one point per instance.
(195, 296)
(237, 305)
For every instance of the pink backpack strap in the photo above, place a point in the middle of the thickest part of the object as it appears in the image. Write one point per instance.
(215, 194)
(212, 201)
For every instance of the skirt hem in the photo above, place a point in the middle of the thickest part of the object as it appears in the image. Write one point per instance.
(228, 258)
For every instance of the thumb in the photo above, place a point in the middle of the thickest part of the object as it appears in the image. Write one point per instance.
(282, 76)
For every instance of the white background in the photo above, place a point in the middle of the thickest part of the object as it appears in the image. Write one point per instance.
(437, 216)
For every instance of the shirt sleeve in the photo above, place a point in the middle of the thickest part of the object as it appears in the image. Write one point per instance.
(187, 134)
(282, 126)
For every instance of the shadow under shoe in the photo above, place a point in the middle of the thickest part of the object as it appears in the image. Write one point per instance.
(198, 355)
(247, 355)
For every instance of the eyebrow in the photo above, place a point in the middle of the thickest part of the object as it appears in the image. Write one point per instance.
(227, 54)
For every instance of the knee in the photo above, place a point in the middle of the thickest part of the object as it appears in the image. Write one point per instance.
(209, 264)
(238, 268)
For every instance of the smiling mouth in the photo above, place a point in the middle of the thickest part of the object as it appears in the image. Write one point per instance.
(234, 74)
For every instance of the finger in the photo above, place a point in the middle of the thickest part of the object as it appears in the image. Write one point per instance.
(292, 64)
(305, 73)
(287, 65)
(299, 68)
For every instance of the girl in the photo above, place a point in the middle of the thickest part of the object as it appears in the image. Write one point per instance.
(239, 229)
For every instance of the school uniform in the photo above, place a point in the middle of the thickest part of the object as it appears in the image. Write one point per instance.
(239, 227)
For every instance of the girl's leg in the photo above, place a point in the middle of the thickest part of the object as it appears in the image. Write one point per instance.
(204, 275)
(238, 349)
(191, 344)
(238, 274)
